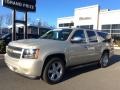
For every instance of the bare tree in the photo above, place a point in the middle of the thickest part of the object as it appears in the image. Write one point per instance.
(39, 22)
(29, 19)
(1, 23)
(32, 23)
(8, 19)
(52, 26)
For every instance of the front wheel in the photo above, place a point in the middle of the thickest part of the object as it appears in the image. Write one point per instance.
(54, 71)
(104, 61)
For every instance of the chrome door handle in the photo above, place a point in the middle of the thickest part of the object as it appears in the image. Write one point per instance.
(89, 47)
(85, 46)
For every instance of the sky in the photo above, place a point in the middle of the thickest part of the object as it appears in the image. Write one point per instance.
(49, 10)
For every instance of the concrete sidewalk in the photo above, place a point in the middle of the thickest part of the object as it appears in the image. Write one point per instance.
(116, 47)
(1, 56)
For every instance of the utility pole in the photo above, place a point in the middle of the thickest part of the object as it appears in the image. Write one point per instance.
(39, 23)
(25, 31)
(14, 27)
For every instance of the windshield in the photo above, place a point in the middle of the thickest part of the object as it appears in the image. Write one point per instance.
(6, 35)
(57, 34)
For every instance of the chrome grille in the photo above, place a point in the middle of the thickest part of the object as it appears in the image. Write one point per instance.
(14, 52)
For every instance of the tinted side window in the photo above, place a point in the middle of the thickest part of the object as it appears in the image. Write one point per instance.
(92, 36)
(80, 34)
(102, 35)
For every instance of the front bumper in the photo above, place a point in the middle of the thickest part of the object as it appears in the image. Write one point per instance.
(30, 68)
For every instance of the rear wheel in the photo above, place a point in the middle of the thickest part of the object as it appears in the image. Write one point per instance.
(54, 71)
(104, 61)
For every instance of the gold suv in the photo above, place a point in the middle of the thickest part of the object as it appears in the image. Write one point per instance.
(49, 55)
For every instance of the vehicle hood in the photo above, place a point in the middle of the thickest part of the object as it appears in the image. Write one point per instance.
(35, 43)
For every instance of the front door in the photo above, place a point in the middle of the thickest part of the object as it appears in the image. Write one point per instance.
(78, 51)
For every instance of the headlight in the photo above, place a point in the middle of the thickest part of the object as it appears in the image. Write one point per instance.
(31, 53)
(6, 48)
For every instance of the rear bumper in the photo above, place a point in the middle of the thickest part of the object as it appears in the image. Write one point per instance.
(28, 68)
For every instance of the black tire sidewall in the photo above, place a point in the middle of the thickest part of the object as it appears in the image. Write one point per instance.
(45, 72)
(101, 60)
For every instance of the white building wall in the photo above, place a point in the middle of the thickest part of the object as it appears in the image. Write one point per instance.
(64, 20)
(109, 17)
(92, 15)
(87, 16)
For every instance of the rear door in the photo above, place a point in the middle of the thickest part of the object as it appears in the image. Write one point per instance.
(93, 45)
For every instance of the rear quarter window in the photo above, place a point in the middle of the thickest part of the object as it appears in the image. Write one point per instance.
(102, 35)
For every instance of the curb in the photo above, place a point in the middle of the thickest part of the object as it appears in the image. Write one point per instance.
(1, 56)
(116, 47)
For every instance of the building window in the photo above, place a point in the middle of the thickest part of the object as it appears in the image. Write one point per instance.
(78, 26)
(86, 26)
(72, 24)
(107, 31)
(106, 26)
(116, 26)
(66, 24)
(113, 29)
(115, 36)
(61, 25)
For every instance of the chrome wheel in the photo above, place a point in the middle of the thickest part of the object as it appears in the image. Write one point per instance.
(104, 60)
(55, 71)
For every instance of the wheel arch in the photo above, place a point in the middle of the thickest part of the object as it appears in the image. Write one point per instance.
(106, 51)
(49, 57)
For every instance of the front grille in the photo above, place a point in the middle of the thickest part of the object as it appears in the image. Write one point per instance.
(14, 52)
(15, 48)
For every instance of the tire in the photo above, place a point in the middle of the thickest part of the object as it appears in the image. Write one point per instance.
(104, 61)
(54, 71)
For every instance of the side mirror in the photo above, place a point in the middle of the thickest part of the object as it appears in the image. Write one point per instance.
(76, 40)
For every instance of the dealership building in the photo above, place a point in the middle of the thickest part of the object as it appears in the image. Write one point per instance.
(92, 17)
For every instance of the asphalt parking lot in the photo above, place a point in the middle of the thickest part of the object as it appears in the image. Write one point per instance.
(83, 78)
